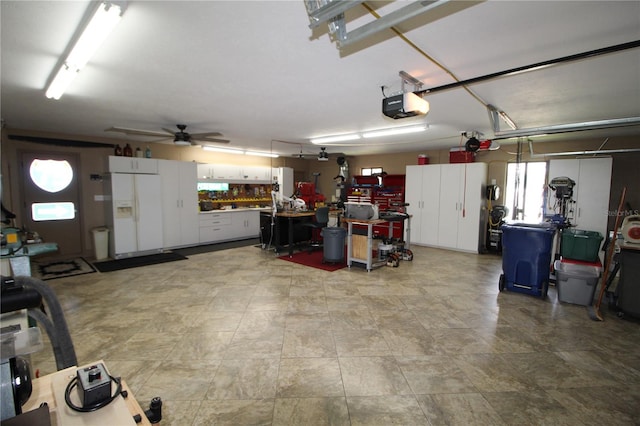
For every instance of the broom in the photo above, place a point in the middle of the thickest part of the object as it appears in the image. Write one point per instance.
(594, 311)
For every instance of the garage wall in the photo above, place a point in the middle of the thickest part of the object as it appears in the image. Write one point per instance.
(93, 161)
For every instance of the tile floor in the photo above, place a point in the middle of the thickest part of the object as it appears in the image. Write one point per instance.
(238, 337)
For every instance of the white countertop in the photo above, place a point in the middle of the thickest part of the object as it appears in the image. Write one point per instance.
(240, 209)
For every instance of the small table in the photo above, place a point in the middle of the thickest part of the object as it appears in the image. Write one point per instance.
(43, 391)
(291, 217)
(368, 261)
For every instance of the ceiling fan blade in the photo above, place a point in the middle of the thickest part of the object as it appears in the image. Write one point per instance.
(136, 132)
(214, 140)
(171, 132)
(206, 134)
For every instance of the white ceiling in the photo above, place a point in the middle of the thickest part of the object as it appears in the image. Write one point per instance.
(256, 72)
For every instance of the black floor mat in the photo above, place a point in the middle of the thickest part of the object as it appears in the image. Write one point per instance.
(134, 262)
(188, 251)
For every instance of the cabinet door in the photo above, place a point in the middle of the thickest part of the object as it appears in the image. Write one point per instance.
(133, 165)
(204, 171)
(188, 203)
(170, 174)
(451, 186)
(430, 217)
(252, 227)
(413, 196)
(472, 206)
(593, 189)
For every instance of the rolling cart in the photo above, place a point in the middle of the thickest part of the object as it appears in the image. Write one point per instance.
(526, 258)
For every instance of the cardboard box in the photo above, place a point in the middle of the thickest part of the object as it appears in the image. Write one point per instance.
(459, 155)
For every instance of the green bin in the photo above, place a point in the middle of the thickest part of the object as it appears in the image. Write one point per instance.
(578, 244)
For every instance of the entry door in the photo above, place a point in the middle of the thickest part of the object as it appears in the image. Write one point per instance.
(52, 200)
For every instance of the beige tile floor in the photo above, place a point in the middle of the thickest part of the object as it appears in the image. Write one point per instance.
(239, 337)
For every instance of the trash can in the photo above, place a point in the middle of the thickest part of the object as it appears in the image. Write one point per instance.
(333, 244)
(101, 242)
(526, 258)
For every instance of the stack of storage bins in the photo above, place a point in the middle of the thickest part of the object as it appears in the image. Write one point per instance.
(578, 270)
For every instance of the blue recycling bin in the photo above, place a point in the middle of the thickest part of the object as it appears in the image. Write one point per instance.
(526, 258)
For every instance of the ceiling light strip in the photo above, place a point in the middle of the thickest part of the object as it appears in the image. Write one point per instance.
(336, 138)
(369, 134)
(101, 24)
(224, 150)
(395, 131)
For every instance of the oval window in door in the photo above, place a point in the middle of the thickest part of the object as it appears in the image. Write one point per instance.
(51, 175)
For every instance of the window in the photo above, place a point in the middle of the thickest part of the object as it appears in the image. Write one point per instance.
(525, 191)
(52, 211)
(370, 171)
(52, 176)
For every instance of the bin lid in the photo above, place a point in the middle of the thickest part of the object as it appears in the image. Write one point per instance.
(333, 230)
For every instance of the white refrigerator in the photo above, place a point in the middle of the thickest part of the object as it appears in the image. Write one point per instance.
(136, 215)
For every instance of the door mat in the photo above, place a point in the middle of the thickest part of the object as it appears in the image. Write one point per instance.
(313, 260)
(207, 248)
(49, 270)
(135, 262)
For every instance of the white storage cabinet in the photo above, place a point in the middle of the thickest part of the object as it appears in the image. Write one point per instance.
(447, 204)
(179, 203)
(591, 192)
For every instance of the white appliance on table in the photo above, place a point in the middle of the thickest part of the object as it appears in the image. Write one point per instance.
(136, 215)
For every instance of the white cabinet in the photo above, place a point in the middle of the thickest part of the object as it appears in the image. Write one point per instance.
(229, 225)
(133, 165)
(233, 174)
(591, 192)
(247, 224)
(447, 204)
(214, 227)
(422, 183)
(179, 203)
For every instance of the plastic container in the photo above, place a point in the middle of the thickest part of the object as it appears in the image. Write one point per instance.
(101, 242)
(578, 244)
(526, 258)
(333, 244)
(575, 283)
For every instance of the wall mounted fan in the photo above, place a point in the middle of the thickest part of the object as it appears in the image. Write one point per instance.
(181, 137)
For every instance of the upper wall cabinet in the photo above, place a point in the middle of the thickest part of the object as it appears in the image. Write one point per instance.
(234, 174)
(133, 165)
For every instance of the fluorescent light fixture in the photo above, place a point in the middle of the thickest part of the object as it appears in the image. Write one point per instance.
(101, 24)
(337, 138)
(262, 154)
(225, 150)
(394, 131)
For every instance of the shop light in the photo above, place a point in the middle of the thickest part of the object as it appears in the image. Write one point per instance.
(101, 24)
(336, 138)
(394, 131)
(262, 154)
(225, 150)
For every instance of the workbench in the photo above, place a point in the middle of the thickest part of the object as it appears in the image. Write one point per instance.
(293, 219)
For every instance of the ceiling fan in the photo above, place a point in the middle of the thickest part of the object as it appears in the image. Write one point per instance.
(181, 137)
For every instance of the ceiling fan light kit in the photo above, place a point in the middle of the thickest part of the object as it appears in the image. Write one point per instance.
(322, 155)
